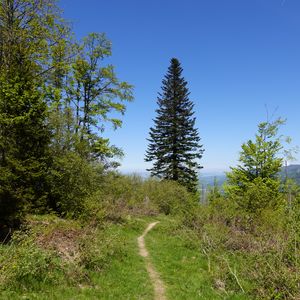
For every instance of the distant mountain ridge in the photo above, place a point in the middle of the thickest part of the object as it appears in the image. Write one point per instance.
(291, 171)
(208, 179)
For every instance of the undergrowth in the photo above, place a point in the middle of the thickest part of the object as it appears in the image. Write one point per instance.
(256, 254)
(218, 250)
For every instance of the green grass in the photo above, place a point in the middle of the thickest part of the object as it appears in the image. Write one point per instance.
(182, 266)
(124, 277)
(174, 251)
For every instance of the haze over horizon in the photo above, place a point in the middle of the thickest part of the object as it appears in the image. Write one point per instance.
(238, 58)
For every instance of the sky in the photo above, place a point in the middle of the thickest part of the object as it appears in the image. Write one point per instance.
(241, 59)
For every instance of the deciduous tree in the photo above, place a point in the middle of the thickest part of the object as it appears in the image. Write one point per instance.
(255, 182)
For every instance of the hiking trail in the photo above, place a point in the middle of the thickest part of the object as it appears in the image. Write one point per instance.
(158, 285)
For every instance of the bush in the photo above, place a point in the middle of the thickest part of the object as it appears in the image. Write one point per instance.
(168, 196)
(119, 196)
(72, 178)
(258, 253)
(256, 195)
(99, 247)
(24, 264)
(51, 251)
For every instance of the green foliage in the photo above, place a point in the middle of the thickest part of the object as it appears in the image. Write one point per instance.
(71, 180)
(23, 263)
(24, 140)
(95, 92)
(260, 158)
(121, 196)
(169, 196)
(257, 195)
(28, 31)
(99, 247)
(44, 151)
(84, 95)
(253, 254)
(254, 184)
(174, 143)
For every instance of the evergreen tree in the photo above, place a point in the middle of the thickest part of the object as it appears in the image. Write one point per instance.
(27, 30)
(24, 140)
(174, 146)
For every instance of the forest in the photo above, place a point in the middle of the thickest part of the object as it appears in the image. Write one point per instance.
(73, 227)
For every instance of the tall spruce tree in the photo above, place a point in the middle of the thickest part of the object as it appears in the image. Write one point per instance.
(174, 143)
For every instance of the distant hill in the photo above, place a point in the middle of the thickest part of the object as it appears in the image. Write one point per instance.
(207, 179)
(292, 171)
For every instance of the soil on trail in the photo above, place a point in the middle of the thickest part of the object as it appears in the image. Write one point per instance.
(159, 289)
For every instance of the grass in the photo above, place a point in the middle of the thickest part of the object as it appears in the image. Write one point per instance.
(124, 277)
(175, 252)
(183, 267)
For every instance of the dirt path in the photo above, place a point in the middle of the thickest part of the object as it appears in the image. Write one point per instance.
(159, 289)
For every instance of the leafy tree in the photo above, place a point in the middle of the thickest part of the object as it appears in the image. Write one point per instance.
(174, 141)
(54, 93)
(96, 92)
(30, 29)
(82, 95)
(255, 183)
(72, 179)
(60, 115)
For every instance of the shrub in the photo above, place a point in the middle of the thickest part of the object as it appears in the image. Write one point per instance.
(72, 178)
(119, 196)
(99, 246)
(168, 196)
(257, 195)
(24, 264)
(254, 252)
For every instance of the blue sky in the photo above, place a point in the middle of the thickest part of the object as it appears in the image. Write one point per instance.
(238, 56)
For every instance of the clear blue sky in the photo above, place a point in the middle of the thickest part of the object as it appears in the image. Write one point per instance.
(237, 56)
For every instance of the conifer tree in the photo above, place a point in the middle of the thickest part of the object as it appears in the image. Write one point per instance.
(174, 143)
(28, 29)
